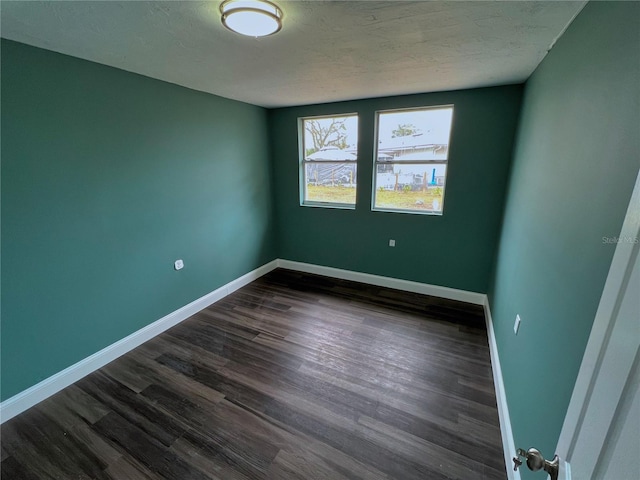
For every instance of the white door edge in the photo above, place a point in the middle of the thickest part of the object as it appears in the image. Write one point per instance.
(624, 258)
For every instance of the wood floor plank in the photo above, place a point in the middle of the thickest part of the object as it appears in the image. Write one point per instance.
(59, 453)
(12, 468)
(402, 443)
(128, 468)
(3, 454)
(302, 467)
(294, 376)
(151, 372)
(133, 408)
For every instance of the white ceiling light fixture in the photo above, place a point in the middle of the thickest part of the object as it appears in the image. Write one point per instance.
(254, 18)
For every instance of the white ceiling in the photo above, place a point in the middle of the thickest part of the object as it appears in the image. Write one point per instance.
(327, 50)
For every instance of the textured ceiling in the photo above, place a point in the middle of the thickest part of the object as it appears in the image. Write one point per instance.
(326, 51)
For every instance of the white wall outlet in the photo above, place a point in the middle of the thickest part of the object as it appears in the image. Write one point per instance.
(392, 243)
(516, 326)
(178, 264)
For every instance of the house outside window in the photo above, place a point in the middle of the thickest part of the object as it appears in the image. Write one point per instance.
(412, 152)
(328, 160)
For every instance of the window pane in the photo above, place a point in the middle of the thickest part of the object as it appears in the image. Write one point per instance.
(330, 182)
(405, 139)
(417, 187)
(414, 134)
(330, 151)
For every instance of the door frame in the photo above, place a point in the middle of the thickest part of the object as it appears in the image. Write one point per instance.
(608, 362)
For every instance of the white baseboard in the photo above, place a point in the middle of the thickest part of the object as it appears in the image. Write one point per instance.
(398, 284)
(35, 394)
(508, 444)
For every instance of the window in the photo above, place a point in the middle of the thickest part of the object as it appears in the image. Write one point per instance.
(328, 160)
(412, 149)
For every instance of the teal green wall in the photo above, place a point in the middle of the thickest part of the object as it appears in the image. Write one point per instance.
(576, 160)
(454, 250)
(107, 178)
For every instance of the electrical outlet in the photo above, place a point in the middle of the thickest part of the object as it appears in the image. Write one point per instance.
(392, 243)
(516, 326)
(178, 264)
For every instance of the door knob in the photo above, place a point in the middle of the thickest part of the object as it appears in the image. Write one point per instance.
(535, 462)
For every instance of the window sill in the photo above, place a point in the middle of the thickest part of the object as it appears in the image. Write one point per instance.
(338, 206)
(410, 212)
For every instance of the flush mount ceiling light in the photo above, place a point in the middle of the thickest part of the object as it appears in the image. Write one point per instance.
(254, 18)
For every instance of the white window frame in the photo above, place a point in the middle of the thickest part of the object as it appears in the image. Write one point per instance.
(376, 162)
(303, 163)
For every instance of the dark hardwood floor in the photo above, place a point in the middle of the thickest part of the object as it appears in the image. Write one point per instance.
(294, 376)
